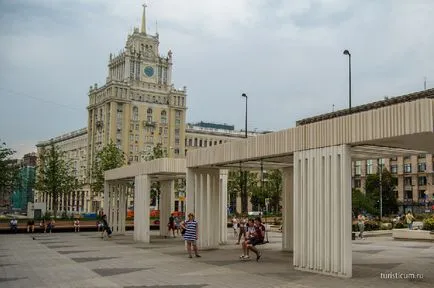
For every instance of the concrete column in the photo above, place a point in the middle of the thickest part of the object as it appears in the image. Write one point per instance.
(322, 211)
(121, 214)
(115, 209)
(107, 207)
(172, 195)
(207, 207)
(223, 203)
(165, 205)
(288, 209)
(190, 190)
(141, 208)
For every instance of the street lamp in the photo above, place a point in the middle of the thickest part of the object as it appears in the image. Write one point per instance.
(346, 52)
(245, 124)
(244, 198)
(380, 164)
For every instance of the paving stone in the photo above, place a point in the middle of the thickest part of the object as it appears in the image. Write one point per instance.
(11, 279)
(115, 271)
(90, 259)
(369, 251)
(73, 252)
(384, 266)
(6, 265)
(60, 246)
(169, 286)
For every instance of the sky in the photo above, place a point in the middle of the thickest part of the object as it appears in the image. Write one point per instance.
(286, 55)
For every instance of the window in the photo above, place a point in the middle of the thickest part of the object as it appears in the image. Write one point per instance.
(407, 168)
(149, 115)
(358, 168)
(394, 169)
(369, 167)
(408, 194)
(407, 181)
(421, 167)
(421, 194)
(163, 117)
(135, 113)
(190, 142)
(421, 180)
(421, 156)
(393, 159)
(200, 143)
(357, 183)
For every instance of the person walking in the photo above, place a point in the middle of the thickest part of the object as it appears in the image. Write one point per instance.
(242, 225)
(361, 224)
(409, 218)
(191, 235)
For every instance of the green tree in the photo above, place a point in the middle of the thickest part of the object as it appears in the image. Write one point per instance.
(110, 157)
(361, 202)
(273, 189)
(55, 176)
(156, 153)
(388, 184)
(236, 187)
(9, 172)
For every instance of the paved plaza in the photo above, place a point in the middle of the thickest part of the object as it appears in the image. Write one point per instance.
(85, 260)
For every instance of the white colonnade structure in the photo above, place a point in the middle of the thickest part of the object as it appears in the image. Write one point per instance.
(315, 158)
(166, 171)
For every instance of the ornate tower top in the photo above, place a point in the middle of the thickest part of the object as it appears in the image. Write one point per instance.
(143, 30)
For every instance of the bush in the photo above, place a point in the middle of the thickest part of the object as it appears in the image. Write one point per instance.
(371, 225)
(428, 224)
(400, 225)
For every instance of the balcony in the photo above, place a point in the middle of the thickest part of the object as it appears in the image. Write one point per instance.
(149, 123)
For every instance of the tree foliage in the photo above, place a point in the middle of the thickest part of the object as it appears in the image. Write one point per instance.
(271, 189)
(55, 176)
(361, 202)
(110, 157)
(9, 172)
(156, 153)
(236, 184)
(388, 184)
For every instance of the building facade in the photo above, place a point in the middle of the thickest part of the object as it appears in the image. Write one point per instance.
(74, 146)
(24, 194)
(415, 175)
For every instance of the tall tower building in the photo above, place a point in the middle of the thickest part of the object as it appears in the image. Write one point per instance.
(138, 106)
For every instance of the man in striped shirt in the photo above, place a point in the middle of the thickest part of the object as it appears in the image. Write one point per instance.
(191, 234)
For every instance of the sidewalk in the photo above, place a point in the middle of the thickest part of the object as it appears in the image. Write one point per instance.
(84, 260)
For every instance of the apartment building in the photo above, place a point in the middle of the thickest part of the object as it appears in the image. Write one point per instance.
(415, 174)
(74, 146)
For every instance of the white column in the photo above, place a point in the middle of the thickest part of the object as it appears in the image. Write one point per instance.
(322, 211)
(115, 209)
(141, 208)
(190, 190)
(288, 209)
(172, 196)
(207, 207)
(122, 208)
(165, 206)
(223, 203)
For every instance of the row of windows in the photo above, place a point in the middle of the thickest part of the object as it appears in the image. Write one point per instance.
(421, 167)
(202, 142)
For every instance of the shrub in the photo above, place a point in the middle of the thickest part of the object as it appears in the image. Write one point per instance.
(400, 225)
(428, 224)
(371, 225)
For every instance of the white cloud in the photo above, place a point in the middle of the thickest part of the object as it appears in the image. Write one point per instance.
(287, 55)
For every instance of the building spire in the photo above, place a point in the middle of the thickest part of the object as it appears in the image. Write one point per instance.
(144, 19)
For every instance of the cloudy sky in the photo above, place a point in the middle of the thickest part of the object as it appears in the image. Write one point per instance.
(285, 54)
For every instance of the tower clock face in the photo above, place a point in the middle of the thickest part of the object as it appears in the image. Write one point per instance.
(148, 71)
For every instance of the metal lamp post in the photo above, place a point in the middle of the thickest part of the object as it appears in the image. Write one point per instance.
(346, 52)
(245, 172)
